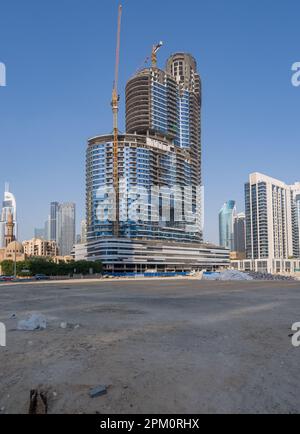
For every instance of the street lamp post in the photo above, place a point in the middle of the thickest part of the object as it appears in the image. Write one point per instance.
(15, 261)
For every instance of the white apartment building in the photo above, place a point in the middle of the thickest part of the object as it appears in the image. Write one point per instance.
(271, 218)
(272, 226)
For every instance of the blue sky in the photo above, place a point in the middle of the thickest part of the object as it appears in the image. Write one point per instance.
(59, 56)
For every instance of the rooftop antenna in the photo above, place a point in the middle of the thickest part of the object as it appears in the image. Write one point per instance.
(6, 187)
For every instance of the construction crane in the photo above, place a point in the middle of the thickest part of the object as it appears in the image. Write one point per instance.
(115, 110)
(155, 49)
(143, 65)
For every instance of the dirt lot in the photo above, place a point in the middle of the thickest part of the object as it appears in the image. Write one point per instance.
(163, 346)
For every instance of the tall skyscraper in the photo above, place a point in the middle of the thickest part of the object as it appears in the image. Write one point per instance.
(271, 218)
(226, 225)
(66, 231)
(144, 202)
(53, 220)
(168, 102)
(239, 230)
(8, 206)
(162, 148)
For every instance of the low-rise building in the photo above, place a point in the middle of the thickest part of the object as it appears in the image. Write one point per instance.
(39, 247)
(268, 265)
(139, 256)
(66, 259)
(237, 256)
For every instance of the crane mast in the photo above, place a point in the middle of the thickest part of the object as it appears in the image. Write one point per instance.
(155, 49)
(115, 110)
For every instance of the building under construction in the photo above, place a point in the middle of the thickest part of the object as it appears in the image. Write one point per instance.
(161, 149)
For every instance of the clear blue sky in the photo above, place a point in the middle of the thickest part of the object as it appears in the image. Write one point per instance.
(60, 60)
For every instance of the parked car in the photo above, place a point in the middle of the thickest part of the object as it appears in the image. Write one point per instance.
(41, 277)
(6, 278)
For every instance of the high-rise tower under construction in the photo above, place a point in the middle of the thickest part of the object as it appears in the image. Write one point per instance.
(162, 148)
(149, 179)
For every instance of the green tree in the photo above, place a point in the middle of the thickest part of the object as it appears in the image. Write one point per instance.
(38, 265)
(7, 267)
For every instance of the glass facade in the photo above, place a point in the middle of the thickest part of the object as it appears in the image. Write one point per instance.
(295, 198)
(161, 149)
(226, 225)
(66, 229)
(257, 243)
(145, 165)
(159, 101)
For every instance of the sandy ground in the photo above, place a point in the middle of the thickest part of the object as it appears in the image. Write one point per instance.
(162, 346)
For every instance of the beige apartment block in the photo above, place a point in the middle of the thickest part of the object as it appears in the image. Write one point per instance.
(38, 247)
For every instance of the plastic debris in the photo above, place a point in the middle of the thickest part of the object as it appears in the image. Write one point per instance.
(98, 391)
(63, 325)
(35, 321)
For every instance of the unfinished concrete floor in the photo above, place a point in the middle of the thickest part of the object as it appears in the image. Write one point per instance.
(163, 346)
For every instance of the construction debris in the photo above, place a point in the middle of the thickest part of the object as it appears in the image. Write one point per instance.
(67, 325)
(268, 276)
(98, 391)
(38, 402)
(35, 321)
(227, 275)
(240, 275)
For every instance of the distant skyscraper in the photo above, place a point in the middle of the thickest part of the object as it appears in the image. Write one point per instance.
(226, 229)
(47, 229)
(39, 233)
(271, 218)
(239, 231)
(66, 234)
(295, 189)
(53, 221)
(8, 206)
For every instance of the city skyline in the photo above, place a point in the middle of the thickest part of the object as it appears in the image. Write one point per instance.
(54, 124)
